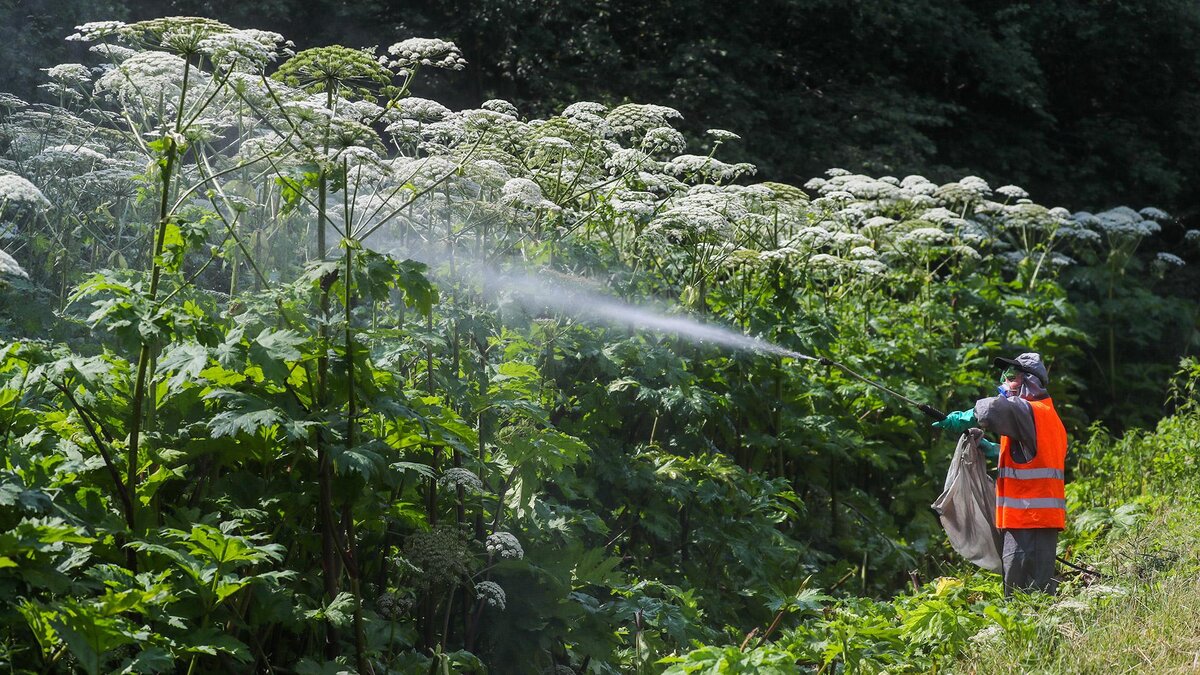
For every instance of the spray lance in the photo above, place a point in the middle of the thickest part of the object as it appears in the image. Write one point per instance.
(826, 361)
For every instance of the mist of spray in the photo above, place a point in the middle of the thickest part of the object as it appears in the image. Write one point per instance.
(569, 295)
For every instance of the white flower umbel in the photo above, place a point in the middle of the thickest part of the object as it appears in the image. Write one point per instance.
(96, 30)
(459, 477)
(626, 160)
(585, 107)
(491, 594)
(501, 106)
(16, 192)
(919, 185)
(698, 167)
(1121, 222)
(69, 73)
(640, 117)
(1154, 214)
(926, 236)
(1169, 259)
(242, 49)
(524, 193)
(1012, 192)
(432, 52)
(663, 139)
(9, 266)
(421, 109)
(146, 78)
(554, 143)
(722, 135)
(504, 545)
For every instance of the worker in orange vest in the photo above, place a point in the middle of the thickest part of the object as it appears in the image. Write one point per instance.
(1031, 508)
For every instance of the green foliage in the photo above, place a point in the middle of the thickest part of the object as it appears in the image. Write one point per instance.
(274, 453)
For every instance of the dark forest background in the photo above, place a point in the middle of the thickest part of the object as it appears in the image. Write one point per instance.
(1085, 104)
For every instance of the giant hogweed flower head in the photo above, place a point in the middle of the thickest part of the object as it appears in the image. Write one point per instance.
(1164, 263)
(96, 30)
(1120, 222)
(393, 606)
(626, 160)
(491, 594)
(640, 117)
(67, 160)
(459, 477)
(415, 52)
(1012, 192)
(145, 77)
(69, 74)
(707, 168)
(943, 216)
(1151, 213)
(637, 205)
(967, 190)
(859, 186)
(18, 193)
(421, 109)
(721, 135)
(9, 266)
(249, 50)
(526, 194)
(180, 35)
(1167, 260)
(441, 554)
(500, 106)
(590, 108)
(348, 72)
(67, 80)
(663, 139)
(504, 545)
(919, 184)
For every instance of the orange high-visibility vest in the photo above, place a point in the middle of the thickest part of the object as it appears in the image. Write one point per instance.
(1031, 495)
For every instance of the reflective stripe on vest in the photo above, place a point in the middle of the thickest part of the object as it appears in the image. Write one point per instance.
(1032, 503)
(1031, 494)
(1029, 474)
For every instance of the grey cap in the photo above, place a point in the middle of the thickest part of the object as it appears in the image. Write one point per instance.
(1029, 362)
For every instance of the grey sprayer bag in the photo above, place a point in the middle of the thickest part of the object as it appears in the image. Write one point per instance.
(967, 506)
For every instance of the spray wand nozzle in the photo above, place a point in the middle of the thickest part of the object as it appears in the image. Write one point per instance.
(931, 411)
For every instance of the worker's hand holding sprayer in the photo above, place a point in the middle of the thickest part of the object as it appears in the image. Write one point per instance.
(961, 420)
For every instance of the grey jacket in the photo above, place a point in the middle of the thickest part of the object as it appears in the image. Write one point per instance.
(1013, 417)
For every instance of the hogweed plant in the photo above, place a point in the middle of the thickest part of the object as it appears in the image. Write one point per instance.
(326, 456)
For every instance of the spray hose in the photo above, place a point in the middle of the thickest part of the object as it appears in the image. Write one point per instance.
(923, 407)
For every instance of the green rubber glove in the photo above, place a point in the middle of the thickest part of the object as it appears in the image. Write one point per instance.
(990, 450)
(957, 422)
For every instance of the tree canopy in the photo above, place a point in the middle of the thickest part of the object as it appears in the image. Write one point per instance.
(1087, 104)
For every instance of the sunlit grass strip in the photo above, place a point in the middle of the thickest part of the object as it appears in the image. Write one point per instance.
(1153, 627)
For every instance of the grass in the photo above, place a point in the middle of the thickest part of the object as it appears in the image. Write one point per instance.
(1144, 616)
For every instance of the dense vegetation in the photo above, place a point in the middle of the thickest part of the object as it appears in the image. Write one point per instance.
(1089, 104)
(304, 372)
